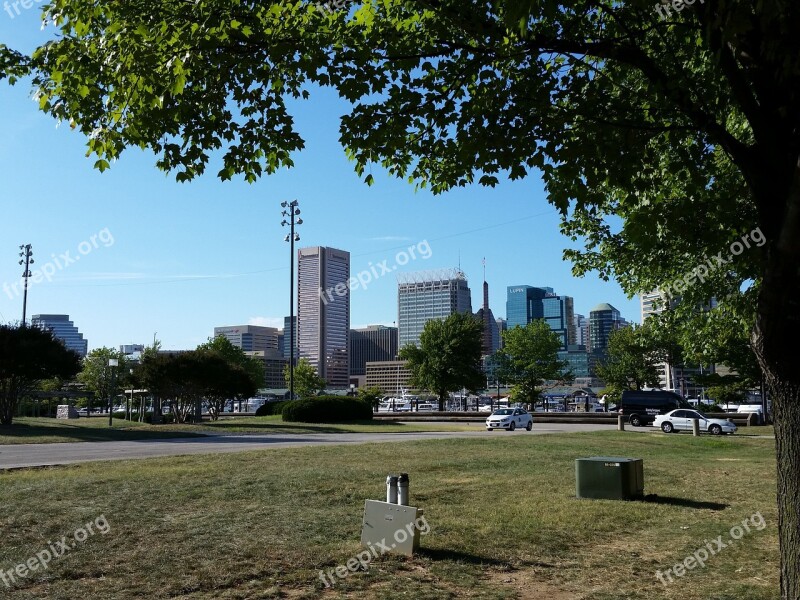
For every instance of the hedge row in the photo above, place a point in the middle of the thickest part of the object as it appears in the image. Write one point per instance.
(271, 408)
(327, 409)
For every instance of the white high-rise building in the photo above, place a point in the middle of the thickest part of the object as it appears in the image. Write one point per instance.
(429, 295)
(323, 312)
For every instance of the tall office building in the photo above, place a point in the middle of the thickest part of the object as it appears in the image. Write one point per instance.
(502, 325)
(559, 313)
(64, 330)
(603, 319)
(490, 341)
(581, 330)
(323, 312)
(429, 295)
(250, 338)
(376, 343)
(524, 304)
(288, 325)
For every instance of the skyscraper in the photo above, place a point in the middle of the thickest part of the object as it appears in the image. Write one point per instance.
(581, 330)
(376, 343)
(524, 304)
(429, 295)
(64, 330)
(323, 312)
(559, 314)
(490, 342)
(288, 325)
(603, 319)
(250, 338)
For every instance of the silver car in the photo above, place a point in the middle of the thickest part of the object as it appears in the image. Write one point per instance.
(509, 418)
(681, 420)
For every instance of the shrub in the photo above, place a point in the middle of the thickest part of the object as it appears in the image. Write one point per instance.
(327, 409)
(271, 408)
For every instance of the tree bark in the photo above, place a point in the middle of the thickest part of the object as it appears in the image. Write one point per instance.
(775, 342)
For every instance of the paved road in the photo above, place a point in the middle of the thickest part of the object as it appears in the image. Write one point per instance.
(15, 456)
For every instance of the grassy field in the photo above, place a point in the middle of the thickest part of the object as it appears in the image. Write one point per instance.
(29, 430)
(504, 521)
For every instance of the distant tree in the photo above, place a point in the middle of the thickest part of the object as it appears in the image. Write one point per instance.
(529, 358)
(97, 376)
(631, 361)
(371, 395)
(448, 357)
(28, 356)
(307, 382)
(236, 356)
(217, 380)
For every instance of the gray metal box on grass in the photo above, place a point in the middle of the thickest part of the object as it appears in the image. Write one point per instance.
(609, 478)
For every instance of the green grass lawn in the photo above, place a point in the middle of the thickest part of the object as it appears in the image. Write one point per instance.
(504, 520)
(30, 430)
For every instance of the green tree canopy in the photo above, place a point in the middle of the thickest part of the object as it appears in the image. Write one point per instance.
(307, 382)
(448, 357)
(632, 359)
(236, 356)
(28, 356)
(529, 358)
(97, 376)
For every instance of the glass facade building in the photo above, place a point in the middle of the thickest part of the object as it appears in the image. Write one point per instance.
(429, 295)
(64, 330)
(288, 325)
(376, 343)
(559, 313)
(603, 319)
(323, 312)
(524, 304)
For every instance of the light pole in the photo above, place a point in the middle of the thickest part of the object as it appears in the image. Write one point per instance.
(26, 258)
(112, 362)
(290, 211)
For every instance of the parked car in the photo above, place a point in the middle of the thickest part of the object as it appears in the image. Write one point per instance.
(509, 418)
(425, 407)
(681, 420)
(642, 407)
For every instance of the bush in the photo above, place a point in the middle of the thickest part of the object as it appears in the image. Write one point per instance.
(271, 408)
(327, 409)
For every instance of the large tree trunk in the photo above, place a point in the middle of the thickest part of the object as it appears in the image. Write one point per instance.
(775, 342)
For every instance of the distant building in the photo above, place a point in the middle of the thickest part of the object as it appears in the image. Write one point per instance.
(250, 338)
(603, 319)
(579, 361)
(559, 313)
(502, 325)
(391, 376)
(490, 340)
(677, 377)
(429, 295)
(132, 352)
(64, 330)
(581, 330)
(274, 364)
(524, 304)
(323, 312)
(288, 325)
(375, 343)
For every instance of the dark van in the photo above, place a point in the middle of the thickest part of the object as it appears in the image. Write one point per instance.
(641, 407)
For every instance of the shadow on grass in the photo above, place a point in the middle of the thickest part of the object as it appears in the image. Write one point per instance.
(685, 502)
(86, 434)
(439, 554)
(306, 427)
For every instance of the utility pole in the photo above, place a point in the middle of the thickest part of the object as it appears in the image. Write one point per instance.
(291, 211)
(26, 254)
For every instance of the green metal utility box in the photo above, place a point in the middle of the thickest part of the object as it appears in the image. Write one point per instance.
(609, 478)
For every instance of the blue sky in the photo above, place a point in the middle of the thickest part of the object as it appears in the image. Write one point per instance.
(188, 257)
